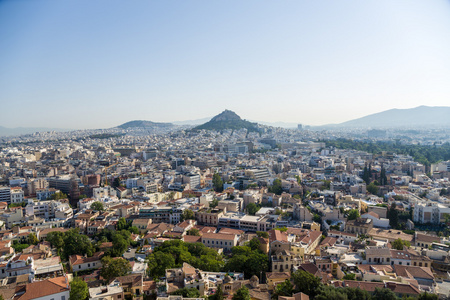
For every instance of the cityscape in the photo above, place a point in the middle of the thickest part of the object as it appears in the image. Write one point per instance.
(228, 208)
(224, 150)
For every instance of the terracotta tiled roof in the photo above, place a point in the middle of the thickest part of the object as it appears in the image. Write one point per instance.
(44, 288)
(218, 236)
(192, 239)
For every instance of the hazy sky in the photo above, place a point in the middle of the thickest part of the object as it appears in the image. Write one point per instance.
(97, 64)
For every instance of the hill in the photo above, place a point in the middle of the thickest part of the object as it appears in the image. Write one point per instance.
(436, 116)
(227, 120)
(144, 124)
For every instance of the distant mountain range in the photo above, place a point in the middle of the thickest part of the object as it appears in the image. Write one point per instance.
(427, 116)
(227, 120)
(144, 124)
(422, 116)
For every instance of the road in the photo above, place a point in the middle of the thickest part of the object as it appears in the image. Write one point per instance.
(129, 255)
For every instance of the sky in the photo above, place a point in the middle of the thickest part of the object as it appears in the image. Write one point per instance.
(83, 64)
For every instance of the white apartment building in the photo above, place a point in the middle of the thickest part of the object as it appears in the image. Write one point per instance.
(430, 212)
(17, 195)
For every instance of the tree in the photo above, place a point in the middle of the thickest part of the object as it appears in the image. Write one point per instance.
(372, 188)
(121, 224)
(244, 259)
(427, 296)
(32, 239)
(353, 214)
(392, 215)
(366, 176)
(252, 208)
(306, 283)
(383, 177)
(283, 289)
(120, 244)
(19, 247)
(187, 215)
(78, 289)
(349, 276)
(58, 196)
(114, 267)
(76, 243)
(329, 292)
(97, 205)
(254, 244)
(241, 294)
(384, 294)
(217, 182)
(398, 244)
(187, 293)
(276, 187)
(214, 203)
(56, 239)
(194, 231)
(158, 262)
(218, 295)
(262, 234)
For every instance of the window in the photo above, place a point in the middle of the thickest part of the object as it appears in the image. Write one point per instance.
(63, 297)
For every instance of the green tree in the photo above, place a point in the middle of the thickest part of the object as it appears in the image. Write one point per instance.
(217, 182)
(19, 247)
(244, 259)
(427, 296)
(399, 244)
(372, 188)
(32, 239)
(263, 234)
(383, 177)
(353, 214)
(392, 215)
(252, 208)
(97, 205)
(366, 175)
(76, 243)
(254, 244)
(121, 224)
(241, 294)
(218, 295)
(120, 245)
(114, 267)
(58, 196)
(349, 276)
(384, 294)
(78, 289)
(158, 262)
(56, 239)
(283, 289)
(187, 215)
(187, 293)
(329, 292)
(276, 187)
(357, 294)
(214, 203)
(194, 231)
(306, 283)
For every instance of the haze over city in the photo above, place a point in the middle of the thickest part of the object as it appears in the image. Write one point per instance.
(97, 64)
